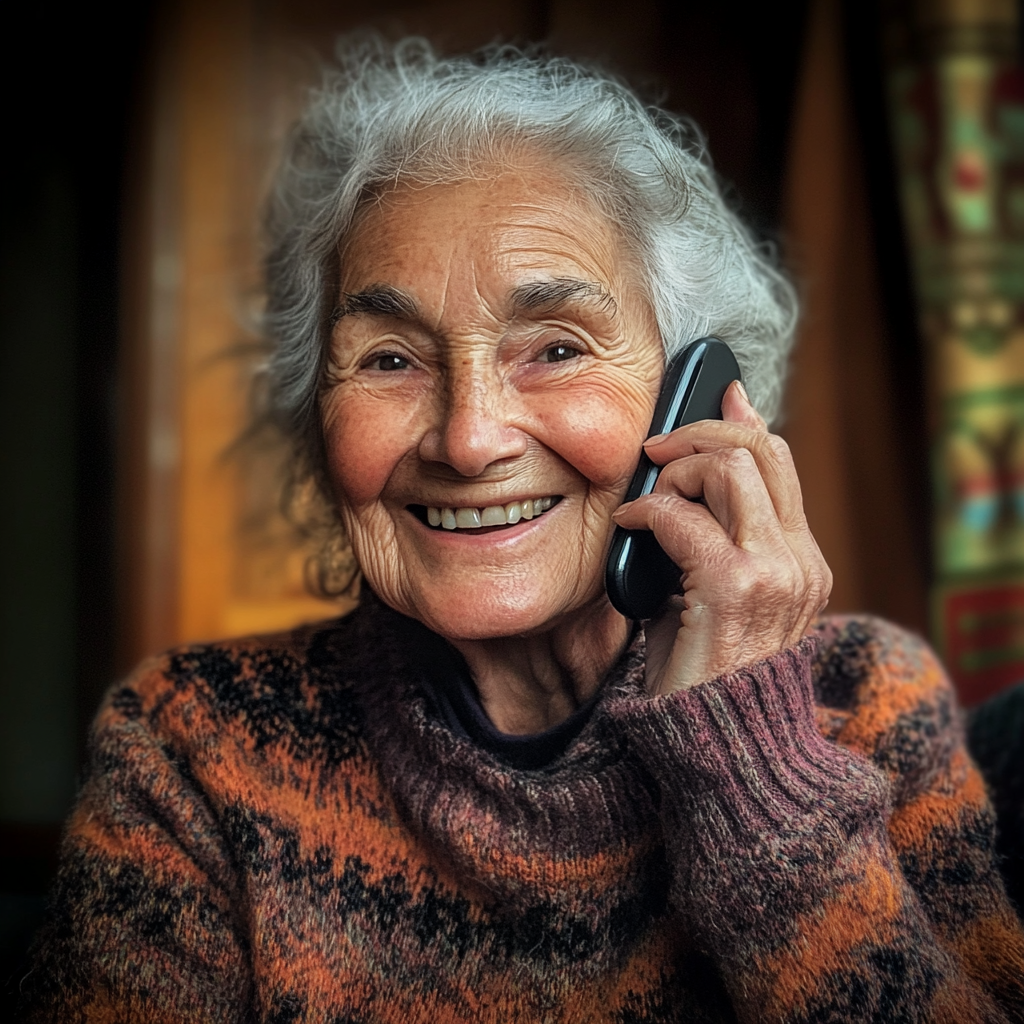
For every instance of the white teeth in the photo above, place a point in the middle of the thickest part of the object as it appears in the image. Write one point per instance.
(467, 518)
(493, 515)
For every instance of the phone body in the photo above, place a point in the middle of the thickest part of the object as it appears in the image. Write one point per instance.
(639, 576)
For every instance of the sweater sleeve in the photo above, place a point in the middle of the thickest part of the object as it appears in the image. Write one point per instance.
(140, 923)
(819, 882)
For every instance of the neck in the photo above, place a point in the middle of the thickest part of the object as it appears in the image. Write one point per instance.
(531, 683)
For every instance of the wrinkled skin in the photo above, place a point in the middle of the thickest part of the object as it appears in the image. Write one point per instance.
(455, 381)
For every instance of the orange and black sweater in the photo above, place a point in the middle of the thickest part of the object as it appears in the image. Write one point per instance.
(286, 829)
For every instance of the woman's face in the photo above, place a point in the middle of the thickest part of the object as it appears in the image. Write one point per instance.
(496, 348)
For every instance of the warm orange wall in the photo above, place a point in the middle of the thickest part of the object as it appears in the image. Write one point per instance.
(195, 567)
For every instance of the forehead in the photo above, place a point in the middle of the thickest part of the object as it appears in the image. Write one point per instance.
(497, 230)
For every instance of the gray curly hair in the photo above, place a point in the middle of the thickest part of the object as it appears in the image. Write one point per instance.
(388, 114)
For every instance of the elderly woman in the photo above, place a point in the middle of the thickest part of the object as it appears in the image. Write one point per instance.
(485, 795)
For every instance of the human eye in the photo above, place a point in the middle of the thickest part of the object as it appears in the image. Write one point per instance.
(559, 353)
(386, 361)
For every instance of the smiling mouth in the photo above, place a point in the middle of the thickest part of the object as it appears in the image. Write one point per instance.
(469, 518)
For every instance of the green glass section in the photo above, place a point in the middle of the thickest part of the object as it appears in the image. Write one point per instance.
(978, 471)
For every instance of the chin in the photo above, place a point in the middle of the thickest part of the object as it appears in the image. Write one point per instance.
(489, 612)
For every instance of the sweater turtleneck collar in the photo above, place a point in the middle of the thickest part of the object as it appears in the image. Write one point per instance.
(560, 827)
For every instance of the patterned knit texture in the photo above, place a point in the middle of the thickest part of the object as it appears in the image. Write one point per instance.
(281, 830)
(995, 737)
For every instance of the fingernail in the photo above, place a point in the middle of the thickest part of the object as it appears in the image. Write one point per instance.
(657, 439)
(621, 508)
(743, 391)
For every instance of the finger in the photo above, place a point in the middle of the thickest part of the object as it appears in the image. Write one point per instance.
(734, 491)
(737, 498)
(714, 567)
(702, 436)
(771, 454)
(688, 532)
(737, 408)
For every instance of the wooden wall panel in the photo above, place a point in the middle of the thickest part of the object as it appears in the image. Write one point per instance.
(843, 421)
(149, 442)
(189, 533)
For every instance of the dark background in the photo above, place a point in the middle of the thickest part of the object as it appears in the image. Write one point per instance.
(69, 82)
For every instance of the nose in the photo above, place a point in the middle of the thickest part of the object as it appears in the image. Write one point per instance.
(474, 427)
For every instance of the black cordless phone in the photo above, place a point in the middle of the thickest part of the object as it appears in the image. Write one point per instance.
(640, 576)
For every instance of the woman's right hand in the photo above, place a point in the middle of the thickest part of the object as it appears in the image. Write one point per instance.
(727, 508)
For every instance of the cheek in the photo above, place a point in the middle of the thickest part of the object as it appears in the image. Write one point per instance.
(599, 434)
(365, 441)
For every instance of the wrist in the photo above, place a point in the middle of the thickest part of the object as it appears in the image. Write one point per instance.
(747, 743)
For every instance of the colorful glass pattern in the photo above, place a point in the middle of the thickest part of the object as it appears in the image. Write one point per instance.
(957, 102)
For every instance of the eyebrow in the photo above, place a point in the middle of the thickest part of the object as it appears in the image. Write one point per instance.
(547, 295)
(377, 300)
(386, 300)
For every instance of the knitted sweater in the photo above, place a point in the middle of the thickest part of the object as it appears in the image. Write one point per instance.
(280, 829)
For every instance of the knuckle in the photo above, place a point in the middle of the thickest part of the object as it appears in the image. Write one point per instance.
(743, 582)
(735, 460)
(825, 585)
(817, 587)
(675, 472)
(666, 512)
(754, 581)
(777, 449)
